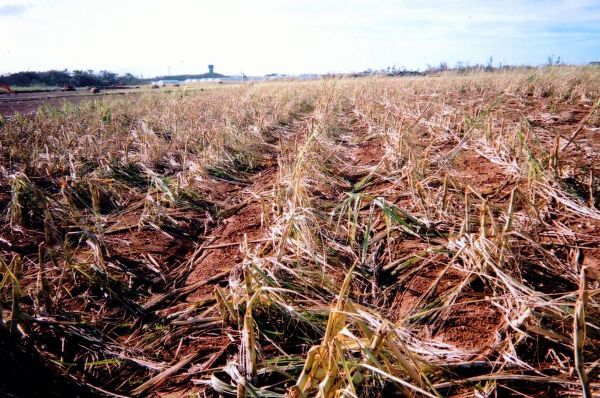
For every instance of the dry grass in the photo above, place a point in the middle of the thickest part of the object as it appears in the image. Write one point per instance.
(427, 236)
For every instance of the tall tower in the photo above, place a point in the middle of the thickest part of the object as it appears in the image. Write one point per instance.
(211, 69)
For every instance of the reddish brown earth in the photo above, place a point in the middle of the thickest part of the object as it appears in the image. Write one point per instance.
(471, 324)
(481, 174)
(592, 261)
(219, 255)
(223, 252)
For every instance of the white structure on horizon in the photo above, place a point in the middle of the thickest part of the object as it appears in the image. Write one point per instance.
(164, 82)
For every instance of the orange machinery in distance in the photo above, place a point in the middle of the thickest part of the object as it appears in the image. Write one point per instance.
(6, 87)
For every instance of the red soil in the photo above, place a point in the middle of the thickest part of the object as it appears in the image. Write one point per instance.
(469, 326)
(230, 233)
(481, 174)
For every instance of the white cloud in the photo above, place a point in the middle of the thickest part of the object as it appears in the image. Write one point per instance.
(289, 36)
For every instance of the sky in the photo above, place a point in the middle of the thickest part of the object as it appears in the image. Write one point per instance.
(152, 37)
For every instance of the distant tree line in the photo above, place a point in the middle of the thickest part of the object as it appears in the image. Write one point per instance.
(77, 78)
(466, 67)
(389, 71)
(460, 68)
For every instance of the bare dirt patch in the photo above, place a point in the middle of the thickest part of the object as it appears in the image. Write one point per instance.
(242, 222)
(481, 174)
(592, 261)
(223, 251)
(471, 326)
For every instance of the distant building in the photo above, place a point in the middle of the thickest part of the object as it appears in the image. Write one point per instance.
(164, 82)
(211, 74)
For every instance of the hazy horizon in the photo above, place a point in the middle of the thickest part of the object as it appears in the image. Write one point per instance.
(153, 38)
